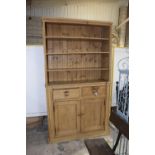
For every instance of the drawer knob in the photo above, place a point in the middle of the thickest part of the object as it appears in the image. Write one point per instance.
(81, 114)
(95, 91)
(66, 93)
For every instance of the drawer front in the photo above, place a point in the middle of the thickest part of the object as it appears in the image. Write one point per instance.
(94, 91)
(66, 93)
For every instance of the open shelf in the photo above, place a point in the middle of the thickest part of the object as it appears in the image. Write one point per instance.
(76, 46)
(77, 30)
(57, 53)
(75, 69)
(76, 82)
(76, 38)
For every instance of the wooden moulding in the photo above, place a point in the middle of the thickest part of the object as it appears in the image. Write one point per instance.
(75, 21)
(72, 53)
(76, 38)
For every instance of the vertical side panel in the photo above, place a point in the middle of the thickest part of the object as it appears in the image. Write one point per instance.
(50, 108)
(44, 44)
(108, 106)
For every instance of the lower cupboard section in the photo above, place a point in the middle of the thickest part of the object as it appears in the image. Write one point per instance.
(73, 118)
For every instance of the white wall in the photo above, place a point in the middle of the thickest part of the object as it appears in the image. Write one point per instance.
(35, 82)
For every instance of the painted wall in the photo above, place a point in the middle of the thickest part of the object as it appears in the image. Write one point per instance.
(35, 82)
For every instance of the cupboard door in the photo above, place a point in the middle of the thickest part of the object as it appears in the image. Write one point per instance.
(66, 118)
(92, 114)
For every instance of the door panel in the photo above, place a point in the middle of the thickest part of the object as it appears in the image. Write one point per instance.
(92, 114)
(66, 117)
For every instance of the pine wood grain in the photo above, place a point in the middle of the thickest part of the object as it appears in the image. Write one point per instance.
(78, 72)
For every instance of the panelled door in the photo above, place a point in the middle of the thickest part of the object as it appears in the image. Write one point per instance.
(66, 117)
(92, 114)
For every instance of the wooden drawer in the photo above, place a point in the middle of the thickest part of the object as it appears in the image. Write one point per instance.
(66, 93)
(91, 91)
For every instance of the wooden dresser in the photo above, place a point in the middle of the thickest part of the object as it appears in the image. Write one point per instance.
(78, 77)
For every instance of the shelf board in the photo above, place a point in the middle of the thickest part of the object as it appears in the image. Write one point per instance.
(77, 53)
(76, 38)
(77, 82)
(75, 69)
(33, 36)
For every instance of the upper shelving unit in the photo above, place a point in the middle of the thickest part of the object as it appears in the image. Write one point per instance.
(76, 50)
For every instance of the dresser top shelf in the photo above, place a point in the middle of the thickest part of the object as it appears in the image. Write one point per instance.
(76, 21)
(77, 83)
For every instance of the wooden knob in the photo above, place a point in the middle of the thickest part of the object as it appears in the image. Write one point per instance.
(95, 91)
(81, 114)
(66, 93)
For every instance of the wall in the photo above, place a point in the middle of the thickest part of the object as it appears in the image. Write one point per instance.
(34, 31)
(104, 10)
(35, 82)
